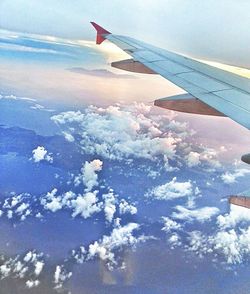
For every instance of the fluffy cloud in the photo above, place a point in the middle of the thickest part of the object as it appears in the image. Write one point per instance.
(38, 267)
(120, 133)
(89, 175)
(200, 214)
(60, 276)
(236, 215)
(132, 132)
(40, 153)
(193, 159)
(170, 225)
(106, 247)
(32, 284)
(206, 156)
(230, 178)
(125, 207)
(30, 266)
(51, 202)
(119, 237)
(172, 190)
(109, 205)
(232, 245)
(17, 206)
(68, 137)
(86, 205)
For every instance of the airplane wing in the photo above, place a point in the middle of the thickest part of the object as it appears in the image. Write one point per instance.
(210, 90)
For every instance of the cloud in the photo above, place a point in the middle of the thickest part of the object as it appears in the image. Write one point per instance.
(32, 284)
(230, 244)
(107, 247)
(14, 97)
(120, 133)
(109, 205)
(40, 153)
(68, 137)
(174, 240)
(193, 159)
(17, 206)
(200, 214)
(86, 205)
(89, 175)
(230, 178)
(131, 132)
(170, 224)
(205, 156)
(51, 202)
(38, 267)
(229, 240)
(236, 215)
(125, 207)
(120, 236)
(103, 73)
(29, 267)
(60, 276)
(29, 49)
(172, 190)
(54, 205)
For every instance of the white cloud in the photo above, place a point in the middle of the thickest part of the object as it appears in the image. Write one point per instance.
(172, 190)
(38, 267)
(125, 207)
(119, 237)
(120, 133)
(199, 243)
(5, 270)
(235, 246)
(200, 214)
(68, 137)
(21, 48)
(60, 276)
(86, 205)
(9, 214)
(132, 132)
(230, 178)
(51, 202)
(22, 208)
(109, 205)
(170, 225)
(193, 159)
(236, 215)
(174, 240)
(89, 175)
(54, 205)
(40, 153)
(32, 284)
(80, 254)
(27, 267)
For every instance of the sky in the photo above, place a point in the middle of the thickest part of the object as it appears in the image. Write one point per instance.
(216, 30)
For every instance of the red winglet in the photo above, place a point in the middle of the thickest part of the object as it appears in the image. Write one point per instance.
(101, 32)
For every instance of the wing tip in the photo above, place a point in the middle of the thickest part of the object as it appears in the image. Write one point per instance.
(101, 32)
